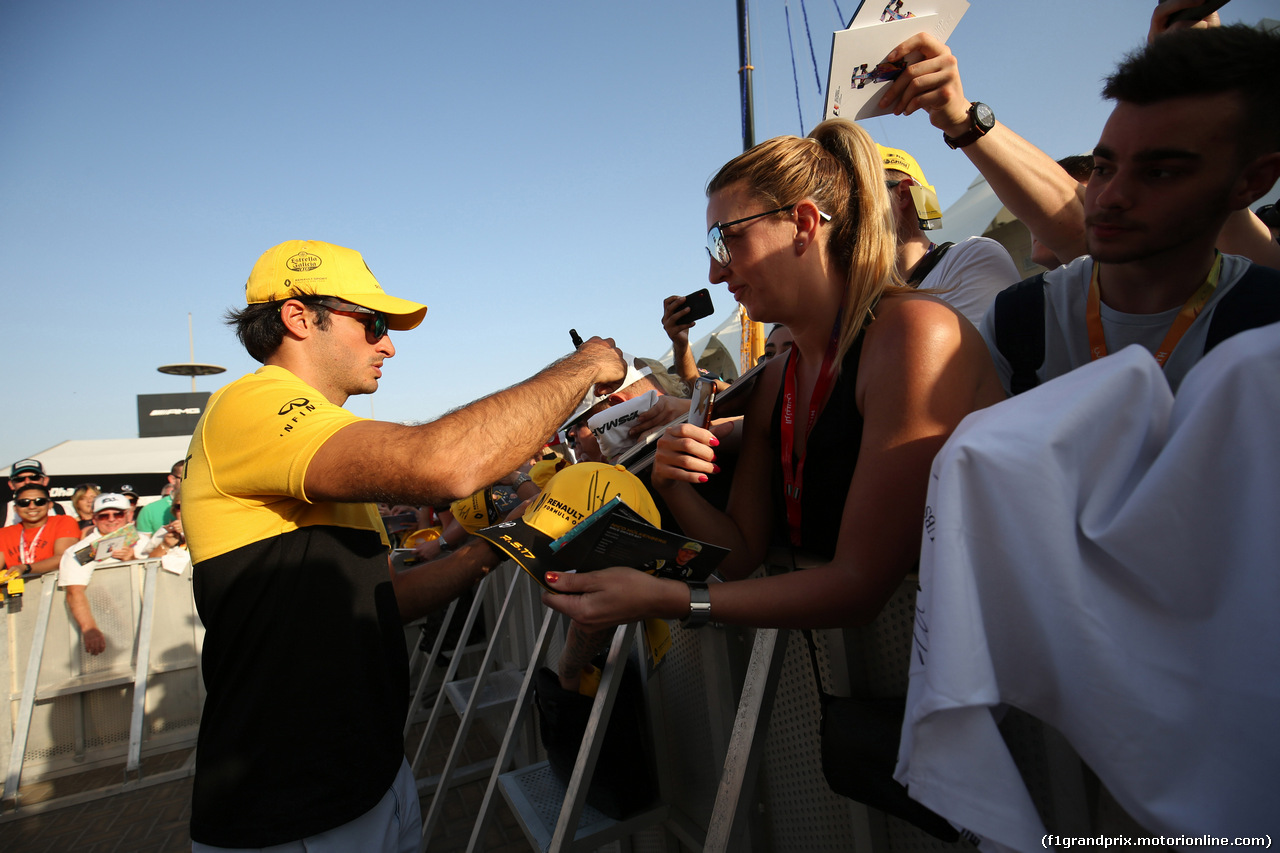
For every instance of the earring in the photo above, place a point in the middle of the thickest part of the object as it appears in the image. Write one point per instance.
(800, 245)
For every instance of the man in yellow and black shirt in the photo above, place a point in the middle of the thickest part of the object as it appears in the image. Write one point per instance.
(304, 657)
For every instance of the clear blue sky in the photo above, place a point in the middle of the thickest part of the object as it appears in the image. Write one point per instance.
(519, 167)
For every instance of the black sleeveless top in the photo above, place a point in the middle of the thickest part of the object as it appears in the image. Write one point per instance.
(831, 453)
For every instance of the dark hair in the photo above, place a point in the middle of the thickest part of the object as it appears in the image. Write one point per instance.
(1212, 61)
(26, 487)
(260, 328)
(1078, 166)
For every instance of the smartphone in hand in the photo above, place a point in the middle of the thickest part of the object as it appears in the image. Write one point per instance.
(1196, 13)
(699, 305)
(703, 402)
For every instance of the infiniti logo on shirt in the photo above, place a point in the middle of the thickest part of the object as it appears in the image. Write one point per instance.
(296, 409)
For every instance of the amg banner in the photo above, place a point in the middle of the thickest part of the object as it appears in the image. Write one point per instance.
(169, 414)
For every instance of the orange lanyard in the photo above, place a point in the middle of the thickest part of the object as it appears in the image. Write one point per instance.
(792, 471)
(1188, 314)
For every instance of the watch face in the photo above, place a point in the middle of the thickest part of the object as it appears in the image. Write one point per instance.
(983, 117)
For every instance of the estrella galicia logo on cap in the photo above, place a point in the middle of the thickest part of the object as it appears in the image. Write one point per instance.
(303, 262)
(295, 403)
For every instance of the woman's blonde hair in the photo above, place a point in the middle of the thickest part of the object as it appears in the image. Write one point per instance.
(80, 492)
(839, 168)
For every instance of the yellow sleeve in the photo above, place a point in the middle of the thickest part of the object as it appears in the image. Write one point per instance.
(246, 468)
(261, 434)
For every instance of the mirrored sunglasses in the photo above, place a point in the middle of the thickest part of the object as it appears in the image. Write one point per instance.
(375, 322)
(716, 248)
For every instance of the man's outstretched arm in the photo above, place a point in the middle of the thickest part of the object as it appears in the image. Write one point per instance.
(466, 449)
(427, 587)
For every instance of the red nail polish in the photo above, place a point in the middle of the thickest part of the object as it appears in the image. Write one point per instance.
(702, 478)
(715, 442)
(553, 577)
(715, 470)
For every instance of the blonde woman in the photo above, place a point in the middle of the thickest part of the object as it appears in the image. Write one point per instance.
(82, 503)
(841, 431)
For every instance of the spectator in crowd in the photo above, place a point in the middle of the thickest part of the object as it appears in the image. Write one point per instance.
(673, 310)
(156, 514)
(1035, 188)
(811, 239)
(1193, 138)
(111, 513)
(82, 504)
(968, 274)
(301, 731)
(672, 401)
(132, 494)
(169, 543)
(452, 535)
(35, 544)
(483, 507)
(779, 341)
(642, 377)
(20, 473)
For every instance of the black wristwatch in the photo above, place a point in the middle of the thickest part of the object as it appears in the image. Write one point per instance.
(699, 606)
(981, 120)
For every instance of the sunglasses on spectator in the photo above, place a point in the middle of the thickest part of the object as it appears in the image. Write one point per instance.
(93, 486)
(716, 248)
(110, 514)
(23, 478)
(375, 322)
(175, 507)
(23, 503)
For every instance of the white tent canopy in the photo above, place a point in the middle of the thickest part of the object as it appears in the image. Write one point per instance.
(728, 335)
(112, 456)
(972, 215)
(143, 463)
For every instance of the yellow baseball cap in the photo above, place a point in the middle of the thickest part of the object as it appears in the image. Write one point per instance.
(476, 511)
(312, 268)
(544, 469)
(570, 496)
(928, 210)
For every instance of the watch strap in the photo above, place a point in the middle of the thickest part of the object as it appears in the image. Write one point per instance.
(973, 134)
(699, 606)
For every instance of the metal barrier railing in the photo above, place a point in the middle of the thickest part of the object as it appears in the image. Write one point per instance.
(153, 650)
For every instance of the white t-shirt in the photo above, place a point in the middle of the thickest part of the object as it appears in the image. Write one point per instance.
(175, 560)
(71, 572)
(1066, 335)
(970, 275)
